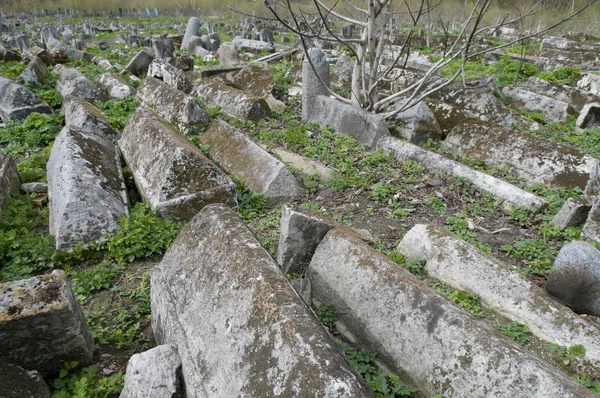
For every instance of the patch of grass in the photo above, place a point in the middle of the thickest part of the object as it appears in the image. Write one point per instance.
(118, 111)
(382, 192)
(34, 167)
(538, 256)
(312, 183)
(11, 69)
(569, 353)
(22, 137)
(266, 229)
(85, 384)
(589, 382)
(562, 75)
(469, 302)
(284, 80)
(47, 91)
(587, 141)
(250, 206)
(515, 331)
(436, 204)
(460, 227)
(413, 266)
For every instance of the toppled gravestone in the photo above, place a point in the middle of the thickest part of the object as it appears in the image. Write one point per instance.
(86, 118)
(16, 382)
(445, 166)
(17, 102)
(551, 108)
(255, 79)
(424, 337)
(73, 83)
(239, 156)
(179, 109)
(170, 75)
(300, 234)
(116, 87)
(589, 117)
(232, 101)
(86, 188)
(573, 212)
(463, 266)
(163, 48)
(154, 373)
(531, 159)
(252, 45)
(35, 72)
(196, 47)
(9, 180)
(240, 328)
(575, 278)
(139, 63)
(591, 228)
(42, 325)
(228, 54)
(416, 124)
(572, 96)
(171, 173)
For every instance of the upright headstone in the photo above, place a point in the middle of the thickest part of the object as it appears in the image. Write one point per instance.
(314, 84)
(266, 35)
(190, 30)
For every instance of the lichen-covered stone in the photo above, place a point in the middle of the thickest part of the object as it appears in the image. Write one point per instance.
(35, 72)
(462, 266)
(252, 45)
(86, 188)
(16, 382)
(9, 180)
(170, 75)
(179, 109)
(232, 101)
(572, 96)
(17, 102)
(255, 79)
(590, 83)
(154, 373)
(589, 117)
(42, 325)
(573, 212)
(422, 336)
(240, 328)
(85, 117)
(139, 63)
(551, 108)
(415, 124)
(591, 228)
(116, 87)
(239, 156)
(170, 172)
(533, 160)
(73, 83)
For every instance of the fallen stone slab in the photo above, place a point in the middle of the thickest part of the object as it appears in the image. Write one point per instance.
(42, 325)
(573, 212)
(233, 102)
(464, 267)
(551, 108)
(255, 79)
(239, 156)
(170, 75)
(139, 63)
(572, 96)
(589, 117)
(171, 173)
(442, 165)
(17, 102)
(9, 180)
(34, 187)
(300, 234)
(8, 55)
(196, 47)
(116, 87)
(86, 188)
(73, 83)
(179, 109)
(416, 124)
(154, 373)
(252, 45)
(590, 83)
(531, 159)
(78, 55)
(575, 279)
(86, 118)
(16, 382)
(420, 335)
(240, 328)
(306, 165)
(366, 127)
(591, 228)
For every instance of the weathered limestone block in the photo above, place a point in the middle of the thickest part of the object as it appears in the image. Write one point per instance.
(240, 328)
(195, 47)
(573, 212)
(163, 48)
(16, 382)
(533, 160)
(170, 172)
(86, 189)
(572, 96)
(116, 87)
(139, 63)
(420, 335)
(306, 165)
(589, 117)
(228, 54)
(35, 72)
(78, 55)
(73, 83)
(255, 79)
(464, 267)
(239, 156)
(300, 234)
(233, 102)
(590, 83)
(154, 373)
(42, 325)
(441, 164)
(416, 124)
(575, 279)
(86, 118)
(551, 108)
(368, 128)
(591, 228)
(179, 109)
(252, 45)
(17, 102)
(9, 180)
(170, 75)
(7, 54)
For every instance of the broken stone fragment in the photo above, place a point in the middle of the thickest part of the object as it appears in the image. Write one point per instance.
(17, 102)
(154, 373)
(9, 180)
(116, 87)
(171, 173)
(573, 212)
(240, 328)
(42, 326)
(85, 117)
(242, 158)
(589, 117)
(591, 228)
(139, 63)
(16, 382)
(170, 75)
